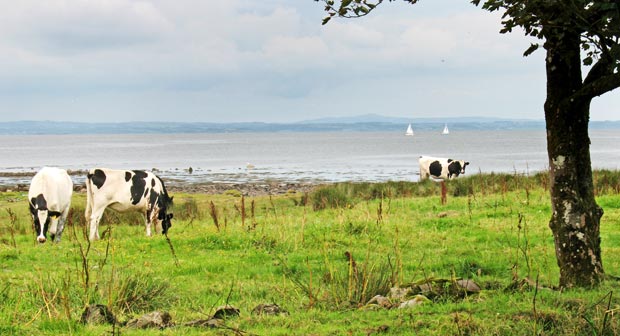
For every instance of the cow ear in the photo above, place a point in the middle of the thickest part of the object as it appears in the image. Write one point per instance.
(450, 160)
(466, 163)
(170, 216)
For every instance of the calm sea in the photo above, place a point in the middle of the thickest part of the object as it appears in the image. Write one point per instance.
(292, 157)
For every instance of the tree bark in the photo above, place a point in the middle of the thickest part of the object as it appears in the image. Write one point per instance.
(575, 222)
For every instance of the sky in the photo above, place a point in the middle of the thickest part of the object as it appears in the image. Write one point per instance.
(264, 60)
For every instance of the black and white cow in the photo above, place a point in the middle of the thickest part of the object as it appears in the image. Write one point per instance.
(127, 190)
(49, 198)
(441, 168)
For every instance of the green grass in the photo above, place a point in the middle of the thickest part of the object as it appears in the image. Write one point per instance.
(320, 265)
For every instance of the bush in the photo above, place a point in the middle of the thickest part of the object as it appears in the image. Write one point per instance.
(330, 197)
(140, 292)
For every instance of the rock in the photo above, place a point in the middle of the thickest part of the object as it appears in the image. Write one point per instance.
(426, 287)
(416, 301)
(154, 319)
(380, 301)
(97, 314)
(399, 294)
(268, 309)
(469, 286)
(223, 312)
(210, 323)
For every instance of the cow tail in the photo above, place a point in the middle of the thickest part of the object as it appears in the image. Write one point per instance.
(89, 197)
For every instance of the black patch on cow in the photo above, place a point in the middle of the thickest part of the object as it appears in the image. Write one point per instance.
(153, 183)
(39, 202)
(138, 184)
(36, 204)
(54, 213)
(435, 168)
(146, 192)
(454, 168)
(33, 211)
(127, 176)
(97, 178)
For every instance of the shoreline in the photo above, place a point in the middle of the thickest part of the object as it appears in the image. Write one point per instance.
(20, 182)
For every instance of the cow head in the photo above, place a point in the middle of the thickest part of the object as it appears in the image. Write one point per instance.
(166, 223)
(41, 223)
(163, 214)
(165, 205)
(43, 219)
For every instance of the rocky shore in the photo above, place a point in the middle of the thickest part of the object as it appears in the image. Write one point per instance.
(19, 181)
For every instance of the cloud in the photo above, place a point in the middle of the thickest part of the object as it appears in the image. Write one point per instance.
(61, 26)
(236, 59)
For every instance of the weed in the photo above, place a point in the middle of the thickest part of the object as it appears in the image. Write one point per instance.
(139, 292)
(213, 213)
(12, 225)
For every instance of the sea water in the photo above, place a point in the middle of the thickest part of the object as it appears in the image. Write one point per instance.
(293, 157)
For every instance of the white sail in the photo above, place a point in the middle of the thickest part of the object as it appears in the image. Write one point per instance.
(445, 129)
(409, 130)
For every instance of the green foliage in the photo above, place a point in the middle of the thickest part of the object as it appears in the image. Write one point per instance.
(349, 193)
(344, 282)
(233, 192)
(330, 197)
(139, 292)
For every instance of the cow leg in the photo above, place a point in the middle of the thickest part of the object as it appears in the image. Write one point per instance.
(151, 218)
(61, 224)
(54, 223)
(94, 224)
(148, 227)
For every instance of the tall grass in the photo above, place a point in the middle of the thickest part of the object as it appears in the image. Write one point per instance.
(348, 193)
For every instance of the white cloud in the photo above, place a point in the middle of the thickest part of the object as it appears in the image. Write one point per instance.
(285, 54)
(64, 26)
(220, 60)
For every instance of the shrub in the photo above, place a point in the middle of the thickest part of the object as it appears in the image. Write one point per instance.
(330, 197)
(139, 292)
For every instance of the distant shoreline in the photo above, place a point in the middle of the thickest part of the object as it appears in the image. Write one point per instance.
(271, 187)
(69, 128)
(463, 124)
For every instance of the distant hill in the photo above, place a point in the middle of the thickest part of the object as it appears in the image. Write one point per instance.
(376, 118)
(364, 123)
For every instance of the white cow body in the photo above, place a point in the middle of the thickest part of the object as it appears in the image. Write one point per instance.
(126, 190)
(441, 168)
(49, 198)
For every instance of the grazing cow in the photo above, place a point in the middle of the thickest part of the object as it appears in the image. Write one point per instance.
(49, 199)
(127, 190)
(440, 168)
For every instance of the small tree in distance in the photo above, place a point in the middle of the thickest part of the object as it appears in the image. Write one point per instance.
(573, 33)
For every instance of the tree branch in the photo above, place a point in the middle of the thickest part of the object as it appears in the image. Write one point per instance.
(598, 86)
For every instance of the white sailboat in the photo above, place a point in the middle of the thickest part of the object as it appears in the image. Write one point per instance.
(409, 131)
(445, 130)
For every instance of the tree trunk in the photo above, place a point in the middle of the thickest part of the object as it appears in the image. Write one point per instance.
(575, 221)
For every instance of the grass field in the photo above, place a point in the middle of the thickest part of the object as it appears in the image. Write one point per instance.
(320, 256)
